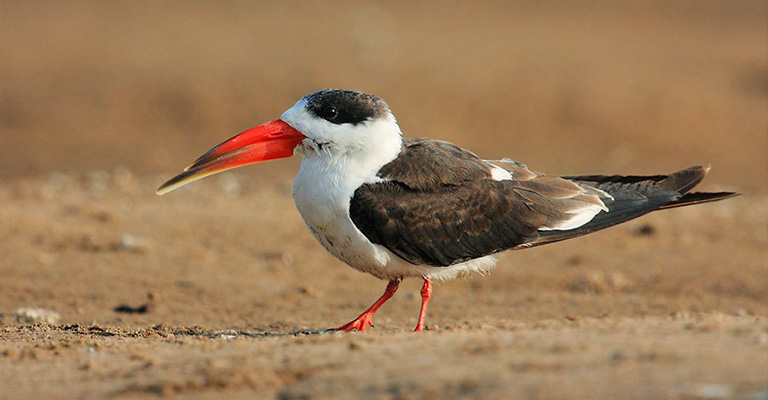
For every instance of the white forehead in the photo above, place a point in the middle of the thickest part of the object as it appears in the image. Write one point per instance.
(305, 122)
(293, 113)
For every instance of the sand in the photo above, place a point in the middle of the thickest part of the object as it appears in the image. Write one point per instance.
(218, 290)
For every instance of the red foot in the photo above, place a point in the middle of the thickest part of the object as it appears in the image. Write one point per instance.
(365, 319)
(426, 291)
(360, 323)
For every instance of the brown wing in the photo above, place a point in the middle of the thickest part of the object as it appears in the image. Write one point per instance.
(438, 205)
(428, 165)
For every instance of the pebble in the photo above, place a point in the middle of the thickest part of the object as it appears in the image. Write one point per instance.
(714, 391)
(36, 315)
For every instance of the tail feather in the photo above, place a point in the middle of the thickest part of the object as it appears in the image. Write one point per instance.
(683, 181)
(634, 196)
(698, 198)
(680, 181)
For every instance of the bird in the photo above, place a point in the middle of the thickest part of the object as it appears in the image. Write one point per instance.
(399, 208)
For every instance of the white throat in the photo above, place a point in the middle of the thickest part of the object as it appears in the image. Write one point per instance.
(336, 160)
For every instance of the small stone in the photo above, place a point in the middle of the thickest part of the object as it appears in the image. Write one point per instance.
(128, 241)
(36, 315)
(354, 345)
(574, 260)
(645, 230)
(601, 282)
(618, 356)
(714, 391)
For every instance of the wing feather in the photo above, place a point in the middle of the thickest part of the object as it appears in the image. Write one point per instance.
(439, 205)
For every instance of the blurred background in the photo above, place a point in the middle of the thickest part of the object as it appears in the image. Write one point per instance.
(101, 101)
(568, 87)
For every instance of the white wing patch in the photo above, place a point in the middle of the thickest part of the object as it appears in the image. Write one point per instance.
(580, 217)
(502, 170)
(585, 201)
(500, 174)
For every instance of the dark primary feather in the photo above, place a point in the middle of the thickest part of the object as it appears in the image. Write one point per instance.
(635, 196)
(439, 205)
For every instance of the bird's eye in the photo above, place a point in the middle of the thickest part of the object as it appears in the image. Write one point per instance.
(330, 113)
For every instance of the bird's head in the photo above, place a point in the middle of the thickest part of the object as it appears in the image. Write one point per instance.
(331, 123)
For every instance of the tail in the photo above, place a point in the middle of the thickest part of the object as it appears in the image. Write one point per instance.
(634, 196)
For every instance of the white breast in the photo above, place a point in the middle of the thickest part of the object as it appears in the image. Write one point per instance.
(333, 166)
(322, 192)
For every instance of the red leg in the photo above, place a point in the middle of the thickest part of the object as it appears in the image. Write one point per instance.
(362, 322)
(426, 291)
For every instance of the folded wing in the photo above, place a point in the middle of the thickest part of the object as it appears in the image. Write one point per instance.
(438, 204)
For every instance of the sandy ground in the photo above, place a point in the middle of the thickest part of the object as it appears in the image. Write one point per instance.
(671, 306)
(218, 291)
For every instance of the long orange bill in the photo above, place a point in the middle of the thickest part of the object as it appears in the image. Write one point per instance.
(269, 141)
